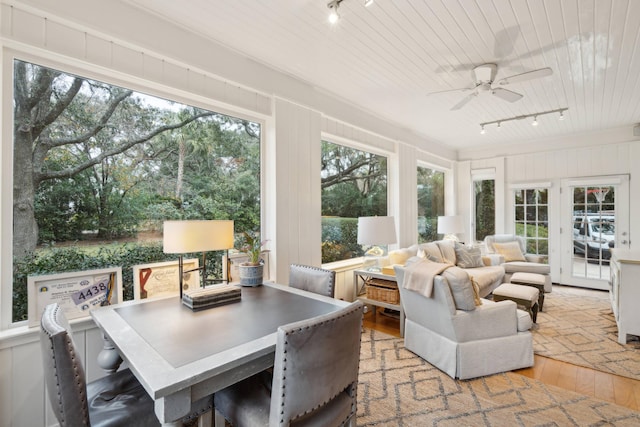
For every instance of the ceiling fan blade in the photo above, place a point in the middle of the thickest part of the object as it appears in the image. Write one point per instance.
(506, 94)
(464, 101)
(535, 74)
(461, 89)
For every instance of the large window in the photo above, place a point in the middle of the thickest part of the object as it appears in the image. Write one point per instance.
(532, 219)
(485, 208)
(97, 168)
(430, 203)
(354, 184)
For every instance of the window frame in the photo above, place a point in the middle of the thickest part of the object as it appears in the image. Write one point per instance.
(109, 76)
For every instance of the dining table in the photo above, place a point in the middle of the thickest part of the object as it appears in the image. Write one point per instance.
(181, 356)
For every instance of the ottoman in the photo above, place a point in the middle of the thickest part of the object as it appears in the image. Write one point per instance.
(523, 295)
(531, 279)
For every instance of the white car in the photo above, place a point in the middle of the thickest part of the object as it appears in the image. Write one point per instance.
(593, 235)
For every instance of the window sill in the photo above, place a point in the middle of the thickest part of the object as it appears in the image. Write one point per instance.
(344, 265)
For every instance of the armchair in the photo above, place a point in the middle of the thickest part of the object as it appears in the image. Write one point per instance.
(490, 338)
(524, 263)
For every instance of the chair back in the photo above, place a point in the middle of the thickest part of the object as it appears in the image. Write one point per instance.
(63, 372)
(313, 279)
(315, 375)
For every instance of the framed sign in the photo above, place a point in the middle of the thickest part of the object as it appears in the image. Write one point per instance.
(161, 278)
(76, 292)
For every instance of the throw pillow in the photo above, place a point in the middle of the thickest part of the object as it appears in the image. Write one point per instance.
(468, 256)
(432, 251)
(427, 256)
(399, 256)
(510, 251)
(461, 288)
(447, 248)
(476, 291)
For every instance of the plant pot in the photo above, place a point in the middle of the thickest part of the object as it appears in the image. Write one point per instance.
(250, 275)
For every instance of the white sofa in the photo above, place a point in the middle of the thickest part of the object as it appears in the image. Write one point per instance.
(532, 263)
(490, 338)
(487, 276)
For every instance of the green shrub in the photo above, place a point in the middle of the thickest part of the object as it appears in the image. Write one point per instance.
(340, 239)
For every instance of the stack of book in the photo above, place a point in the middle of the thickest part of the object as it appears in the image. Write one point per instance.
(212, 296)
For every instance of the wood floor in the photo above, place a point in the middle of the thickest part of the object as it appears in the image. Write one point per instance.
(611, 388)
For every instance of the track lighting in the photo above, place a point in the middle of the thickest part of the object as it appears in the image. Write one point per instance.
(333, 14)
(498, 123)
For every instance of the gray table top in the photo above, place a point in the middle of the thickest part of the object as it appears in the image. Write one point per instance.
(171, 348)
(182, 336)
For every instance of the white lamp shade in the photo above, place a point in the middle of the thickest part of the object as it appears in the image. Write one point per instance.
(450, 224)
(376, 230)
(197, 236)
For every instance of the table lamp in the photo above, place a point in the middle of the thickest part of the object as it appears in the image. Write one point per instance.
(181, 237)
(376, 231)
(450, 226)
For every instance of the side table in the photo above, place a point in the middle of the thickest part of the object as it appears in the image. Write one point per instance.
(360, 279)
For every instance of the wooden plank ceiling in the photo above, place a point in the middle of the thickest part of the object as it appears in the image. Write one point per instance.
(390, 58)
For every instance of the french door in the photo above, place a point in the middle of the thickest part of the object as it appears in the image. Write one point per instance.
(595, 218)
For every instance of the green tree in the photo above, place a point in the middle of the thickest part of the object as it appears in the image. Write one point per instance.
(54, 111)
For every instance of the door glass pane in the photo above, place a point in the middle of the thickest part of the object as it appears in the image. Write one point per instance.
(531, 219)
(594, 223)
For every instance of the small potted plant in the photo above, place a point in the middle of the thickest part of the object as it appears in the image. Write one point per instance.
(251, 271)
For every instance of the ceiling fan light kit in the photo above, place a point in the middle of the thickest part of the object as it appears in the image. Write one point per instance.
(499, 123)
(333, 6)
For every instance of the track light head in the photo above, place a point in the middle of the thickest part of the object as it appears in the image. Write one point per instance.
(368, 3)
(482, 131)
(561, 115)
(535, 121)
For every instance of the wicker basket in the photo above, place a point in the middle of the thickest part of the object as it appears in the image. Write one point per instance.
(383, 290)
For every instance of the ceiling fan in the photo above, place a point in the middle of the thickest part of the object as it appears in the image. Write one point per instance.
(484, 76)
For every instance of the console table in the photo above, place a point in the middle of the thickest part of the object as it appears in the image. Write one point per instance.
(624, 291)
(360, 278)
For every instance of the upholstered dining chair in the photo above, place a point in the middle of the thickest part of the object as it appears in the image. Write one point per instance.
(314, 380)
(114, 400)
(313, 279)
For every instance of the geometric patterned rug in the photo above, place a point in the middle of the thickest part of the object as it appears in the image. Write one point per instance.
(396, 388)
(577, 326)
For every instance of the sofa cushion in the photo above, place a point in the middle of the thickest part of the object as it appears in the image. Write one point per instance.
(461, 288)
(510, 251)
(431, 252)
(526, 267)
(468, 256)
(488, 277)
(448, 251)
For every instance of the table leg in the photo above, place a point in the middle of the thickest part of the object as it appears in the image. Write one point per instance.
(109, 359)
